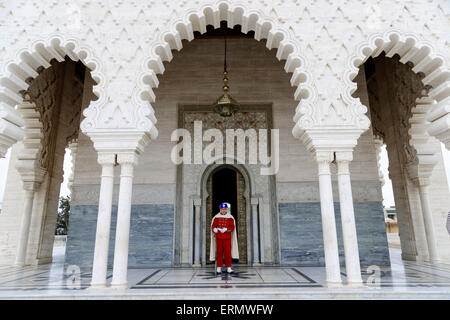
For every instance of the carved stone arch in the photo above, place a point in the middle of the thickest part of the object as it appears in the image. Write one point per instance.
(235, 13)
(411, 95)
(426, 152)
(250, 178)
(411, 48)
(25, 64)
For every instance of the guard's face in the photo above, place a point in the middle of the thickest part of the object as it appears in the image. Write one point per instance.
(223, 210)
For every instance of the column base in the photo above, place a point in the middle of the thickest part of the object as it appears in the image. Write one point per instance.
(40, 261)
(409, 257)
(434, 260)
(333, 284)
(355, 284)
(196, 265)
(256, 264)
(97, 286)
(120, 286)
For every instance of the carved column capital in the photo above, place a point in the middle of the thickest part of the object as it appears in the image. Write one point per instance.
(324, 156)
(419, 173)
(198, 202)
(127, 158)
(104, 158)
(127, 162)
(107, 161)
(119, 141)
(32, 175)
(323, 159)
(343, 158)
(421, 181)
(31, 185)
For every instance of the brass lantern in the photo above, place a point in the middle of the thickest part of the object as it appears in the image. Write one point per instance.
(225, 105)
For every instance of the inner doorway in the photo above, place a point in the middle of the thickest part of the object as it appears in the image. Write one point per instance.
(226, 184)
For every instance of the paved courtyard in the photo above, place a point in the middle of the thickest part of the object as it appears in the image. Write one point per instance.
(403, 280)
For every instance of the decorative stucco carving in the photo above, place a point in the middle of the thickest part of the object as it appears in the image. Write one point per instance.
(45, 92)
(426, 151)
(35, 55)
(408, 87)
(422, 57)
(125, 45)
(405, 92)
(28, 161)
(76, 104)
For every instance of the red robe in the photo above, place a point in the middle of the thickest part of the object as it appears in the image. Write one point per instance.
(223, 240)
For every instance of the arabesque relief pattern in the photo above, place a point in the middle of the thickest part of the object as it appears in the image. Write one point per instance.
(125, 45)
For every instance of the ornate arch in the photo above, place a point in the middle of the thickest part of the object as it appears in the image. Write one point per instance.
(203, 178)
(17, 73)
(265, 27)
(426, 60)
(209, 169)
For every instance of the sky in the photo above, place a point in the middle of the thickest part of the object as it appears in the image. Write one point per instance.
(388, 196)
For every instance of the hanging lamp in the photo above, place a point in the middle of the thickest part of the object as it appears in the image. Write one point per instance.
(225, 105)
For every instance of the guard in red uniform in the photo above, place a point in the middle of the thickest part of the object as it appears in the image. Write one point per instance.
(223, 228)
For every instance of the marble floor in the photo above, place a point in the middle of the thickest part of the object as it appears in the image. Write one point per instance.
(403, 280)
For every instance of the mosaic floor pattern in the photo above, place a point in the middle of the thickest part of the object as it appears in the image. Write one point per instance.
(402, 279)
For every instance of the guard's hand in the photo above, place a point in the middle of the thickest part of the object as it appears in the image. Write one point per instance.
(215, 230)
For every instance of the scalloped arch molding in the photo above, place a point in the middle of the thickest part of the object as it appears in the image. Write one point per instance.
(251, 15)
(15, 76)
(421, 53)
(264, 27)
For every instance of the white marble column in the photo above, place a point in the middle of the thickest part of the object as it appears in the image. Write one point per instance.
(349, 235)
(427, 218)
(330, 243)
(421, 169)
(100, 264)
(127, 162)
(24, 232)
(28, 165)
(254, 203)
(197, 230)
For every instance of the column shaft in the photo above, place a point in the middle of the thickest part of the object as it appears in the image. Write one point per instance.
(100, 264)
(25, 228)
(330, 242)
(120, 267)
(352, 263)
(428, 222)
(255, 233)
(197, 235)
